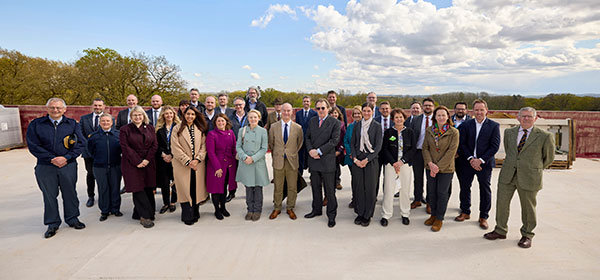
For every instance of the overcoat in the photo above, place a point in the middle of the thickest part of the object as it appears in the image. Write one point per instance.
(181, 147)
(220, 149)
(253, 143)
(137, 144)
(443, 156)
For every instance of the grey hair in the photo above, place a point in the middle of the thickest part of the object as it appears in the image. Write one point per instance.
(106, 115)
(56, 99)
(254, 88)
(528, 109)
(239, 98)
(139, 108)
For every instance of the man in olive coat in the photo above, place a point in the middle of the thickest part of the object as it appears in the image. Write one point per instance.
(529, 150)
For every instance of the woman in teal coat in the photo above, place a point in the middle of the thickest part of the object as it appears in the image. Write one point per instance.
(251, 148)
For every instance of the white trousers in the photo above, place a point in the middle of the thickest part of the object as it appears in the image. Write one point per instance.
(393, 182)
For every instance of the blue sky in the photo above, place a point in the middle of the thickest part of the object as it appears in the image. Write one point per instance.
(384, 46)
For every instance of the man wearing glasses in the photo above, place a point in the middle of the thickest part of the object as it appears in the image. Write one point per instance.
(419, 125)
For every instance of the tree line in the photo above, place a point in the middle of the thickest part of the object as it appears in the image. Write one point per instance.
(104, 73)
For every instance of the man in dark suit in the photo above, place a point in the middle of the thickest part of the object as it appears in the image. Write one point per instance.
(372, 99)
(479, 142)
(253, 102)
(386, 122)
(194, 96)
(415, 110)
(302, 118)
(223, 99)
(154, 112)
(123, 116)
(419, 124)
(529, 150)
(209, 111)
(460, 113)
(322, 135)
(90, 123)
(332, 98)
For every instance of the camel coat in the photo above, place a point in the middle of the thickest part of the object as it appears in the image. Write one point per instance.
(182, 153)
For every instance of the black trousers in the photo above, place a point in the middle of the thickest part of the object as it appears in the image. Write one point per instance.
(163, 181)
(418, 169)
(190, 211)
(438, 193)
(89, 178)
(466, 175)
(218, 199)
(144, 204)
(318, 181)
(364, 181)
(109, 182)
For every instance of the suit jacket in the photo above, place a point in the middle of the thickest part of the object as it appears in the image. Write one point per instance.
(87, 129)
(200, 106)
(488, 142)
(209, 122)
(415, 124)
(122, 118)
(302, 121)
(272, 118)
(279, 149)
(380, 121)
(389, 149)
(528, 165)
(150, 114)
(375, 137)
(376, 113)
(227, 112)
(324, 138)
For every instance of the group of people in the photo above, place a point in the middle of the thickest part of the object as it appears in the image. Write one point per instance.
(200, 151)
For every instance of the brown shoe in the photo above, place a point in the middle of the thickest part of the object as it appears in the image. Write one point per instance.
(249, 216)
(525, 242)
(437, 225)
(291, 213)
(428, 209)
(492, 235)
(483, 223)
(325, 201)
(274, 214)
(339, 187)
(462, 217)
(430, 221)
(415, 204)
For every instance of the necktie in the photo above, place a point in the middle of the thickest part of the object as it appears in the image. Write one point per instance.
(285, 134)
(426, 122)
(278, 117)
(55, 124)
(155, 118)
(96, 122)
(320, 122)
(385, 125)
(305, 114)
(522, 141)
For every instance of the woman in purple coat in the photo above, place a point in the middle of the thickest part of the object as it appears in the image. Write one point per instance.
(138, 145)
(221, 166)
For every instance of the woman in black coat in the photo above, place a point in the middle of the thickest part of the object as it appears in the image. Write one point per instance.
(399, 148)
(164, 169)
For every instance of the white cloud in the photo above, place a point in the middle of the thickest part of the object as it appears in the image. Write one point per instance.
(314, 76)
(264, 20)
(316, 67)
(255, 76)
(197, 75)
(387, 46)
(247, 67)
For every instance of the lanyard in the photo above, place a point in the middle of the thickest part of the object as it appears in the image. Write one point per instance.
(169, 134)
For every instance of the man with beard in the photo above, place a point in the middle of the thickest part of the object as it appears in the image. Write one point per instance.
(460, 113)
(252, 102)
(419, 125)
(223, 109)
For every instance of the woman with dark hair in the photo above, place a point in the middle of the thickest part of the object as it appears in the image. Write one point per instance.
(439, 150)
(183, 104)
(365, 145)
(222, 166)
(398, 149)
(188, 145)
(138, 145)
(164, 168)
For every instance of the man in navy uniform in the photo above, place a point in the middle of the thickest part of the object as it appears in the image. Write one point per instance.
(56, 141)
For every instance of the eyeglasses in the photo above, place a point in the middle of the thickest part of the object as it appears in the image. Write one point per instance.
(52, 108)
(320, 108)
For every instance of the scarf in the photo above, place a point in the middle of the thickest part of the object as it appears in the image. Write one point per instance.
(365, 143)
(438, 132)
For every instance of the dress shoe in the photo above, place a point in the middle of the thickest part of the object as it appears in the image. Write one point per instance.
(483, 223)
(462, 217)
(415, 204)
(397, 194)
(189, 223)
(405, 221)
(428, 209)
(103, 217)
(146, 223)
(249, 216)
(256, 216)
(338, 187)
(225, 212)
(51, 231)
(430, 221)
(437, 225)
(90, 202)
(312, 215)
(77, 225)
(325, 201)
(230, 197)
(163, 209)
(351, 204)
(365, 222)
(525, 242)
(291, 213)
(172, 208)
(384, 222)
(122, 191)
(218, 215)
(492, 235)
(358, 220)
(117, 214)
(274, 214)
(331, 223)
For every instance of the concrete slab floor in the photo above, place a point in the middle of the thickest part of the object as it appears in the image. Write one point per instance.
(565, 245)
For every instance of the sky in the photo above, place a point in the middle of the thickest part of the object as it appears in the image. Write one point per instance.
(531, 47)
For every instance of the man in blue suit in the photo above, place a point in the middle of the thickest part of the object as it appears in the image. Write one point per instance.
(302, 118)
(154, 112)
(90, 123)
(479, 142)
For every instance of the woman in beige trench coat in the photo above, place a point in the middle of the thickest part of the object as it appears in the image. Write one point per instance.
(188, 145)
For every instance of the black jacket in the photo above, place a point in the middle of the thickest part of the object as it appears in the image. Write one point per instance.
(105, 148)
(262, 108)
(389, 151)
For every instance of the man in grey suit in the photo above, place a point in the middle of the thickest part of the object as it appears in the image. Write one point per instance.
(154, 112)
(322, 135)
(90, 123)
(223, 99)
(529, 150)
(123, 116)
